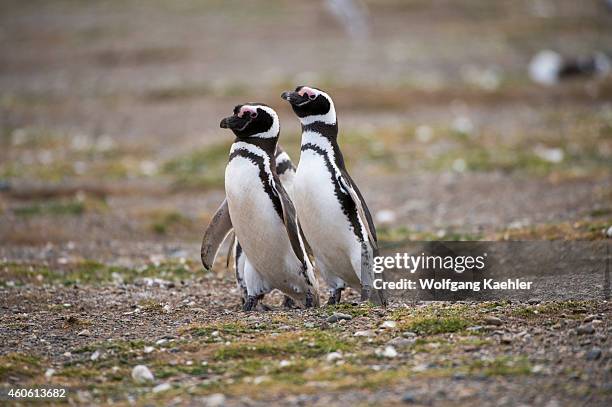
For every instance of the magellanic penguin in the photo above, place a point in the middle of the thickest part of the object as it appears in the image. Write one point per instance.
(334, 216)
(220, 229)
(262, 213)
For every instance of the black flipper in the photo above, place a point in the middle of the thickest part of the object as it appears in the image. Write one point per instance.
(215, 234)
(367, 261)
(290, 220)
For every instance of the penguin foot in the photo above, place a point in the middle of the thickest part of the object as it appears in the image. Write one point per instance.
(288, 303)
(251, 303)
(335, 297)
(311, 301)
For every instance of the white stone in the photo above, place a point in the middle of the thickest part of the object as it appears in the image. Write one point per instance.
(49, 373)
(215, 400)
(142, 374)
(95, 356)
(364, 333)
(389, 352)
(148, 349)
(333, 356)
(284, 363)
(389, 324)
(162, 387)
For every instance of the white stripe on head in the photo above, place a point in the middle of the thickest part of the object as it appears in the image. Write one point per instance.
(327, 118)
(282, 157)
(274, 130)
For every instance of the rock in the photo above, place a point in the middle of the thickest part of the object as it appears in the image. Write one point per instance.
(609, 232)
(162, 387)
(364, 333)
(214, 400)
(49, 373)
(84, 332)
(388, 352)
(409, 334)
(408, 398)
(95, 356)
(585, 329)
(284, 363)
(148, 349)
(389, 324)
(333, 356)
(491, 320)
(338, 316)
(142, 374)
(534, 301)
(475, 328)
(593, 354)
(400, 342)
(506, 339)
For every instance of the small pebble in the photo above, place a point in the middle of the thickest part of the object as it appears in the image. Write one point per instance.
(593, 354)
(389, 324)
(214, 400)
(585, 329)
(142, 374)
(491, 320)
(84, 332)
(333, 356)
(408, 398)
(338, 316)
(162, 387)
(364, 333)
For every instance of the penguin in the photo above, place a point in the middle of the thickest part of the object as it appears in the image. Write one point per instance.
(261, 212)
(334, 216)
(220, 229)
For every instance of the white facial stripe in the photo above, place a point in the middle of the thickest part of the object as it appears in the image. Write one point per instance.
(273, 131)
(283, 157)
(327, 118)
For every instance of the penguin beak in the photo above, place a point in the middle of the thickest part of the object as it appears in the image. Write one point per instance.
(295, 98)
(235, 123)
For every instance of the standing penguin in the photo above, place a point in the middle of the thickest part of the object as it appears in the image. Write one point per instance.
(261, 212)
(336, 219)
(220, 228)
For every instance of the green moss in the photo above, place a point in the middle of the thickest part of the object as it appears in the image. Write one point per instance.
(54, 208)
(165, 221)
(89, 272)
(201, 168)
(309, 344)
(572, 309)
(501, 366)
(19, 365)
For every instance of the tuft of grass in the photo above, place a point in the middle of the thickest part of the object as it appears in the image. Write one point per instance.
(308, 345)
(18, 366)
(165, 221)
(54, 208)
(433, 320)
(553, 308)
(501, 366)
(89, 272)
(202, 168)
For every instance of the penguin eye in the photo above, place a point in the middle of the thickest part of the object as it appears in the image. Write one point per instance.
(253, 115)
(312, 96)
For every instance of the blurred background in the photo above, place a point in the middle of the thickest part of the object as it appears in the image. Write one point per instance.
(459, 120)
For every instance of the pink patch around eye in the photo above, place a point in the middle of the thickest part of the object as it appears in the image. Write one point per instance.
(308, 91)
(247, 109)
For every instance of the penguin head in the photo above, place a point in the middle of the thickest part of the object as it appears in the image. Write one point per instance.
(253, 120)
(311, 105)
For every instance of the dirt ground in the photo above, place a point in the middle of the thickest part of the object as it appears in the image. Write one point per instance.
(111, 165)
